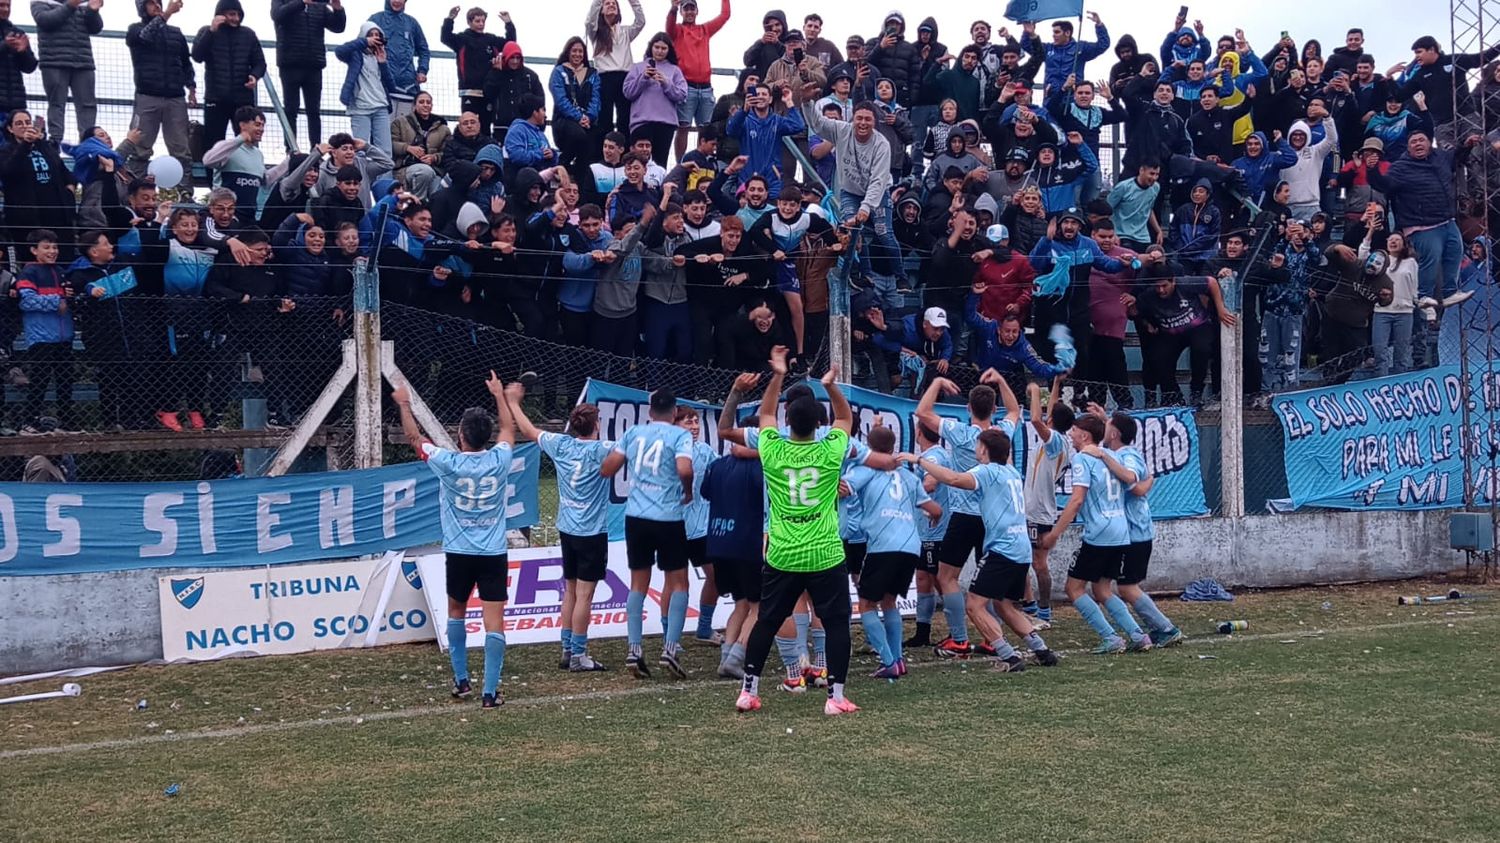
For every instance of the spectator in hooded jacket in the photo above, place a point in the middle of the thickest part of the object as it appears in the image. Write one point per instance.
(475, 50)
(575, 106)
(1306, 176)
(507, 87)
(368, 86)
(1156, 130)
(1184, 45)
(610, 36)
(301, 56)
(767, 48)
(164, 86)
(897, 59)
(16, 60)
(1066, 56)
(233, 64)
(67, 59)
(406, 53)
(1195, 228)
(1261, 165)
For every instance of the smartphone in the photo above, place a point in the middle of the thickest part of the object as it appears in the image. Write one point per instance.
(798, 55)
(651, 63)
(1182, 12)
(753, 90)
(1284, 35)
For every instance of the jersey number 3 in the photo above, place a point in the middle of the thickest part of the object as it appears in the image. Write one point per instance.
(801, 483)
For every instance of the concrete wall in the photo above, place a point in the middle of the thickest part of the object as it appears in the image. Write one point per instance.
(47, 623)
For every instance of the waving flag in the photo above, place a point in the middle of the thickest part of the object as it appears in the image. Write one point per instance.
(1022, 11)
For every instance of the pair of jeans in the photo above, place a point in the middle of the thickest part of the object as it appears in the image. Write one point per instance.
(61, 82)
(1281, 350)
(1439, 251)
(878, 228)
(372, 127)
(1390, 333)
(302, 87)
(923, 117)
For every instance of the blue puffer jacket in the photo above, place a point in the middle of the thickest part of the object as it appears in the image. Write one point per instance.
(1070, 58)
(40, 288)
(353, 53)
(1421, 191)
(404, 44)
(302, 272)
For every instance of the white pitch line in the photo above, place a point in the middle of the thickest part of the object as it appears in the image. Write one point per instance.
(232, 732)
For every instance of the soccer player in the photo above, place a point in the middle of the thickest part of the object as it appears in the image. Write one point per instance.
(1097, 496)
(804, 553)
(735, 489)
(929, 446)
(891, 502)
(1041, 491)
(660, 456)
(582, 516)
(695, 521)
(1128, 465)
(474, 483)
(965, 536)
(1001, 577)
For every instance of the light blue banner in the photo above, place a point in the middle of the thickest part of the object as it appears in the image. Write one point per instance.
(1389, 443)
(1022, 11)
(54, 528)
(1168, 439)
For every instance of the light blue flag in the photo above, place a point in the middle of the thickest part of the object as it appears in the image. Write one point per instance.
(1022, 11)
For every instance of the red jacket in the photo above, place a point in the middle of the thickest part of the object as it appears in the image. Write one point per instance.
(691, 42)
(1007, 282)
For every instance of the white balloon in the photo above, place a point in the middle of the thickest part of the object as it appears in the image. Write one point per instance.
(166, 170)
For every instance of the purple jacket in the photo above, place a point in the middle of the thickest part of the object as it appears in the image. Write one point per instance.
(650, 101)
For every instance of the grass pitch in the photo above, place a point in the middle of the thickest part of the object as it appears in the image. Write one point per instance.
(1359, 721)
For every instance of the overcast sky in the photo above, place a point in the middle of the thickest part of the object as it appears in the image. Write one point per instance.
(1389, 26)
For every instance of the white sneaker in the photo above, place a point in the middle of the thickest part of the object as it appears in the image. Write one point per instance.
(1458, 298)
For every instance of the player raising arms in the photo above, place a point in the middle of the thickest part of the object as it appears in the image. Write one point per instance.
(804, 552)
(891, 505)
(965, 536)
(582, 516)
(1003, 567)
(929, 446)
(1041, 489)
(660, 455)
(1128, 465)
(474, 483)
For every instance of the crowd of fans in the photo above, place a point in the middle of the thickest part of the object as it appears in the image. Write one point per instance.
(614, 202)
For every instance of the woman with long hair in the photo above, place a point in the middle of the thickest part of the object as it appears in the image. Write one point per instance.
(575, 105)
(606, 31)
(655, 87)
(1396, 291)
(38, 188)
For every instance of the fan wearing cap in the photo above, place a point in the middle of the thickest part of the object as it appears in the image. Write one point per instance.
(796, 70)
(1067, 253)
(896, 58)
(1004, 280)
(1062, 170)
(857, 65)
(1354, 178)
(1013, 176)
(927, 342)
(767, 48)
(1395, 123)
(840, 83)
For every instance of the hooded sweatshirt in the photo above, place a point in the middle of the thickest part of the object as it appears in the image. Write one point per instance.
(1172, 50)
(228, 57)
(1126, 68)
(405, 50)
(159, 57)
(1195, 228)
(1306, 176)
(368, 83)
(1262, 172)
(505, 87)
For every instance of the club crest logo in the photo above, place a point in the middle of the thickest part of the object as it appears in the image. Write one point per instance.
(412, 575)
(188, 592)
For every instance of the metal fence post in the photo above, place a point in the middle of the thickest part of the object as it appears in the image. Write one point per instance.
(1232, 416)
(368, 420)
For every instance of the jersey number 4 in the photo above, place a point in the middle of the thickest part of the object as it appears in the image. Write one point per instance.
(647, 459)
(801, 483)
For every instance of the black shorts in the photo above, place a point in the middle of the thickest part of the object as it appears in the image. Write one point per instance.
(1098, 562)
(965, 538)
(739, 578)
(1000, 578)
(886, 575)
(467, 570)
(1036, 532)
(828, 591)
(854, 557)
(659, 543)
(584, 557)
(1137, 558)
(928, 561)
(697, 551)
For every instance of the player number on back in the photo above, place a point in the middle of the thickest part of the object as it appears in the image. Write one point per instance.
(647, 459)
(801, 483)
(475, 495)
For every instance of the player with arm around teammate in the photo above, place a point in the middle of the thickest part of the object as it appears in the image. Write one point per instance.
(1003, 567)
(474, 483)
(892, 505)
(582, 518)
(1128, 465)
(660, 456)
